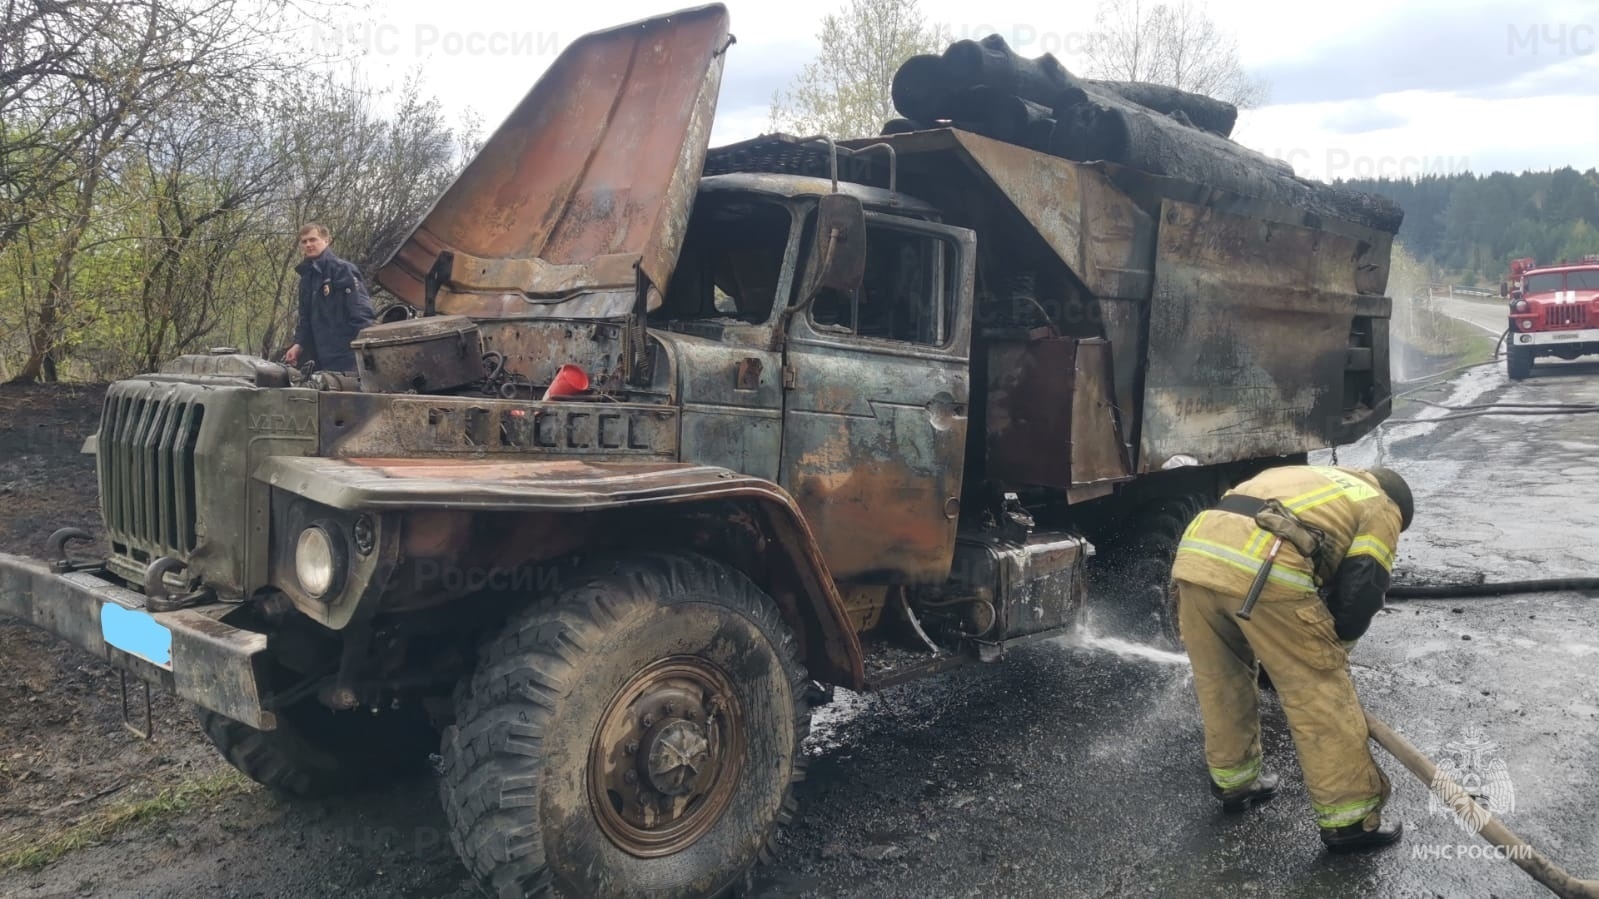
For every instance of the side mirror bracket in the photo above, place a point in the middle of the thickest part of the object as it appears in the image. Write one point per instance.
(838, 253)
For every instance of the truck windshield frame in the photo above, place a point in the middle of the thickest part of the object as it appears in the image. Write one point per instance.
(1555, 282)
(737, 260)
(1582, 279)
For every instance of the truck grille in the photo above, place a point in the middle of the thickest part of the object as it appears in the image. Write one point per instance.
(148, 435)
(1565, 315)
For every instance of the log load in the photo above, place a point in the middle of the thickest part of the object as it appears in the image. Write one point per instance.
(987, 88)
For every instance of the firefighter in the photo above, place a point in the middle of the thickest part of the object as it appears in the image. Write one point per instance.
(1310, 613)
(333, 302)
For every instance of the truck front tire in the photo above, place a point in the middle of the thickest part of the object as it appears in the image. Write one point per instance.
(638, 732)
(316, 752)
(1518, 363)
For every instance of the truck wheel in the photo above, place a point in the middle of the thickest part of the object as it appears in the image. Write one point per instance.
(637, 733)
(1144, 568)
(1518, 363)
(316, 752)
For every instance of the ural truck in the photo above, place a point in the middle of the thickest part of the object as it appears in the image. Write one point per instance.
(1555, 313)
(665, 443)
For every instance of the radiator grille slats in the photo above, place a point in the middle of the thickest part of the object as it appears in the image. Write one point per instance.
(148, 437)
(1565, 315)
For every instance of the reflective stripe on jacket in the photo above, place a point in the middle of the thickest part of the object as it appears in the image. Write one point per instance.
(1224, 551)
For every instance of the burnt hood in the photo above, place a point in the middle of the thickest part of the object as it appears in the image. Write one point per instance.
(586, 187)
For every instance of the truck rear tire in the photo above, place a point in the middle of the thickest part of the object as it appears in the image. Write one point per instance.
(1518, 363)
(317, 752)
(636, 733)
(1143, 568)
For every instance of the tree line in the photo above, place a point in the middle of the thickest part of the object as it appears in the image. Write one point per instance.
(1474, 225)
(156, 160)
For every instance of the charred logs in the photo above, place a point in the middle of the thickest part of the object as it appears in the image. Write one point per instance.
(987, 88)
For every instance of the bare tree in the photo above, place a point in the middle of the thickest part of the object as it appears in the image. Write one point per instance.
(94, 73)
(1173, 43)
(845, 91)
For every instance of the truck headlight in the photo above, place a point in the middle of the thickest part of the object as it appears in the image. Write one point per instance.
(1526, 325)
(319, 561)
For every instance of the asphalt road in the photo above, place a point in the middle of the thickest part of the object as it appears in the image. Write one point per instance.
(1490, 316)
(1074, 767)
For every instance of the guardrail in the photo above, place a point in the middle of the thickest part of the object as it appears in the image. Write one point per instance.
(1456, 290)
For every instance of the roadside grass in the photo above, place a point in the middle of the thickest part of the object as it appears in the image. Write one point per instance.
(35, 850)
(1466, 342)
(1450, 345)
(1445, 340)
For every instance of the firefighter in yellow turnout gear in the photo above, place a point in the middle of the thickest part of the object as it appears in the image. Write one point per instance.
(1310, 612)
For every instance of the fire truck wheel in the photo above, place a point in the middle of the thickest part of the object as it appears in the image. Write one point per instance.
(636, 733)
(317, 752)
(1518, 363)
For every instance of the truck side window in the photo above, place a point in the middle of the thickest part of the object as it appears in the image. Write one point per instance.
(906, 295)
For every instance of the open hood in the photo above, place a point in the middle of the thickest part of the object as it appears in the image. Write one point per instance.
(585, 187)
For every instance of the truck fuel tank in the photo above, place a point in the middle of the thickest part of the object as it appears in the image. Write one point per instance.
(1001, 588)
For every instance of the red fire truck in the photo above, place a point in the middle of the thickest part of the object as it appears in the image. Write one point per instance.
(1555, 312)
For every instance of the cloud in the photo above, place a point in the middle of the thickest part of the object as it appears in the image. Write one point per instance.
(1491, 48)
(1361, 117)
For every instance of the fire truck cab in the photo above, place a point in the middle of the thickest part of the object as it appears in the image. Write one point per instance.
(1554, 313)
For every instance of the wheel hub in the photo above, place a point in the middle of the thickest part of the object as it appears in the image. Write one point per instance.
(677, 752)
(666, 755)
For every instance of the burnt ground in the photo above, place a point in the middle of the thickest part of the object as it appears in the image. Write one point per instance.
(1074, 768)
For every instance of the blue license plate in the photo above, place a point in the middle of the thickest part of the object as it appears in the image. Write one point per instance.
(137, 633)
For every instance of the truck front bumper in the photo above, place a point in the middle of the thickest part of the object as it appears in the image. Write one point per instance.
(191, 652)
(1555, 338)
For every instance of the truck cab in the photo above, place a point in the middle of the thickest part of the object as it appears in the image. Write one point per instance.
(863, 415)
(1555, 314)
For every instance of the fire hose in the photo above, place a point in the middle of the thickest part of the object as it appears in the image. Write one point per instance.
(1503, 588)
(1535, 863)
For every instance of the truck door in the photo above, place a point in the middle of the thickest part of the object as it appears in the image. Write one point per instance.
(875, 410)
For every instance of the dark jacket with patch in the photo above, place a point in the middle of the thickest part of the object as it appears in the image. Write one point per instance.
(334, 307)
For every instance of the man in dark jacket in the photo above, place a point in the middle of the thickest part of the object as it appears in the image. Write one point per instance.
(334, 305)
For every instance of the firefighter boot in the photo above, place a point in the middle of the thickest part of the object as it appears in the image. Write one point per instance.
(1240, 798)
(1356, 837)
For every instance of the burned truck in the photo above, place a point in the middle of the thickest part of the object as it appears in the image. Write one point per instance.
(664, 443)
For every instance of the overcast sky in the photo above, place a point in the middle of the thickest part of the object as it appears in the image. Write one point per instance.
(1358, 88)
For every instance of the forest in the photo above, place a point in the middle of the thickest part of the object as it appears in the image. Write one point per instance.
(1470, 226)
